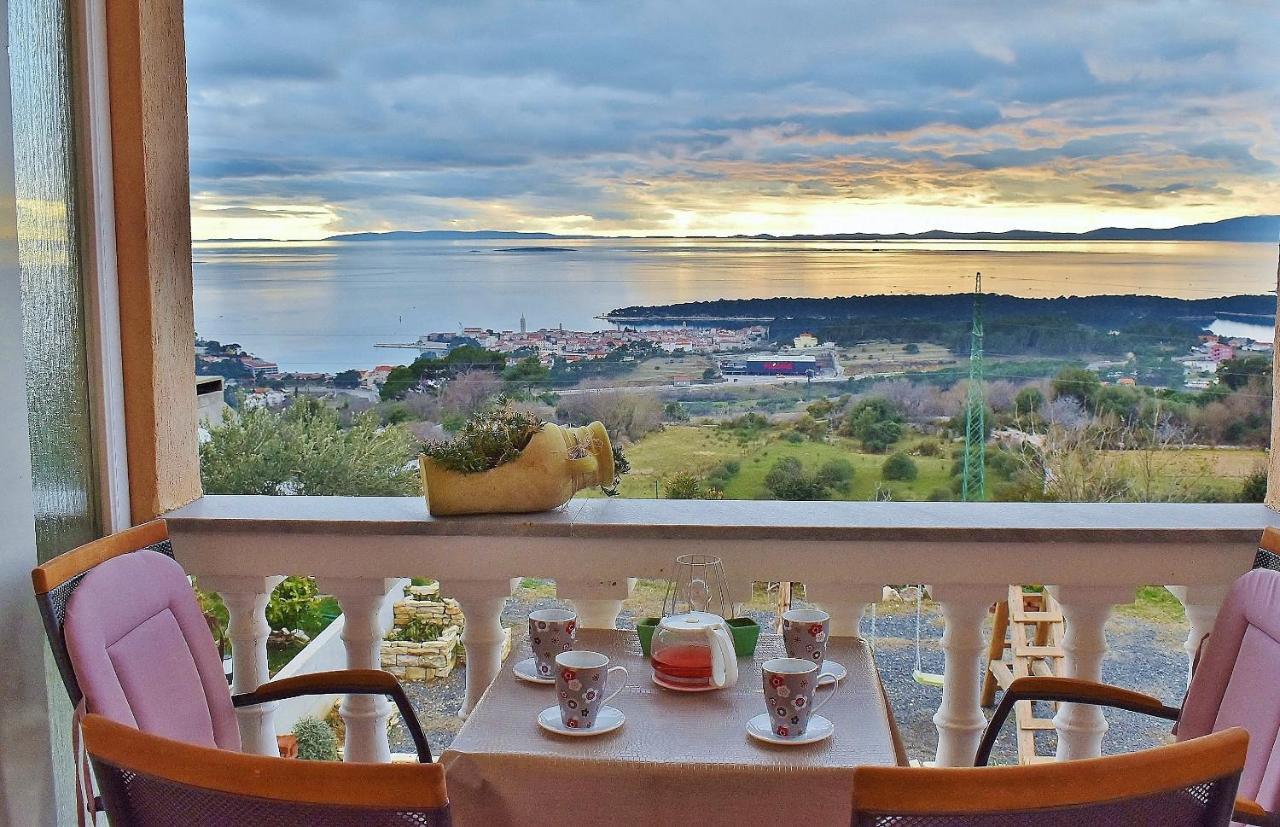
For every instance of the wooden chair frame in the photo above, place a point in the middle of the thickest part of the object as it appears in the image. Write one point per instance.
(924, 791)
(410, 786)
(1076, 690)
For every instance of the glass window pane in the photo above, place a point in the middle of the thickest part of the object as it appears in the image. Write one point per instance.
(52, 286)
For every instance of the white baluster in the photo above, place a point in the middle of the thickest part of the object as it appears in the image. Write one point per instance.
(365, 716)
(845, 602)
(246, 599)
(482, 602)
(1202, 603)
(597, 602)
(1085, 610)
(959, 718)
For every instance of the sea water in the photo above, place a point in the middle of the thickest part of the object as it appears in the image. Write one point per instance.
(324, 306)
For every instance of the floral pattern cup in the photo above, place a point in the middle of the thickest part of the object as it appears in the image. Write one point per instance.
(580, 686)
(551, 631)
(789, 684)
(805, 633)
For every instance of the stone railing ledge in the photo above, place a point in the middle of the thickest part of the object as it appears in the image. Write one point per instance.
(627, 519)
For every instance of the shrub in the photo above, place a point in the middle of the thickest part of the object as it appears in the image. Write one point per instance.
(787, 480)
(720, 476)
(876, 421)
(807, 426)
(899, 466)
(820, 409)
(306, 450)
(1028, 401)
(675, 412)
(1003, 463)
(1254, 489)
(682, 486)
(624, 413)
(748, 424)
(293, 604)
(793, 437)
(939, 495)
(485, 441)
(417, 630)
(316, 741)
(1077, 383)
(838, 474)
(929, 448)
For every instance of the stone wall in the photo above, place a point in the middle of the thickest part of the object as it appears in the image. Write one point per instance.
(414, 661)
(424, 603)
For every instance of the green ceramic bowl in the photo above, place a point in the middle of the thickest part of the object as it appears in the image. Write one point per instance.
(645, 627)
(746, 633)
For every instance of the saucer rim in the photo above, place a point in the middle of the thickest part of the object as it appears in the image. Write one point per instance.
(766, 735)
(558, 728)
(838, 676)
(527, 678)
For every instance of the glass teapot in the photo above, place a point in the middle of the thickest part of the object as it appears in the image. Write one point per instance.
(693, 652)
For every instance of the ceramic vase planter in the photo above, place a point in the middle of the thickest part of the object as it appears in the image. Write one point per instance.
(556, 464)
(745, 633)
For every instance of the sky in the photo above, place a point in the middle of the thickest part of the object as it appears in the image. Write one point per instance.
(314, 117)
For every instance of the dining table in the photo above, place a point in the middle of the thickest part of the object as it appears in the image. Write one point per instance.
(679, 758)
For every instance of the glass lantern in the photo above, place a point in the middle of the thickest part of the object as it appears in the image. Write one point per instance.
(697, 584)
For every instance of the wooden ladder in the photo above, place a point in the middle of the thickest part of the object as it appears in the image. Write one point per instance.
(1033, 622)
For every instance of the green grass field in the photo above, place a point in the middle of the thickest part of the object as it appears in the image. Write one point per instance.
(699, 449)
(663, 370)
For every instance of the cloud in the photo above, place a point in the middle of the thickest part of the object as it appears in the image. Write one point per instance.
(659, 115)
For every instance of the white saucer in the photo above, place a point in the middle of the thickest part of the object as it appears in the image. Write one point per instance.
(833, 670)
(527, 670)
(675, 688)
(761, 728)
(608, 720)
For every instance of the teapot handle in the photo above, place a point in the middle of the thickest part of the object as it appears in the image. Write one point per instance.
(724, 663)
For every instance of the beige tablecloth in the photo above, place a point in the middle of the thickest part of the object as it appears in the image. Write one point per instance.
(680, 758)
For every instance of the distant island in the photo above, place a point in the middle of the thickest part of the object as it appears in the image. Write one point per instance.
(444, 235)
(1112, 310)
(1249, 228)
(1064, 326)
(536, 249)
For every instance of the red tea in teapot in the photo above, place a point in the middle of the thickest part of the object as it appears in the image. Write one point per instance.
(692, 652)
(688, 665)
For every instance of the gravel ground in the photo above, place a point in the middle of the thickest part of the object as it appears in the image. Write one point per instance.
(1143, 655)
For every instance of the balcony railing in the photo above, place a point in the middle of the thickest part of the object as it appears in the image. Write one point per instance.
(1093, 555)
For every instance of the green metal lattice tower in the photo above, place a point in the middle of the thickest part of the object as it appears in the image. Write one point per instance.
(974, 486)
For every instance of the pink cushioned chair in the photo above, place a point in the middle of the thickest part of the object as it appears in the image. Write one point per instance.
(133, 646)
(1236, 683)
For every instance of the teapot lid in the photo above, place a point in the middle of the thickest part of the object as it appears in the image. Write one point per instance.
(691, 621)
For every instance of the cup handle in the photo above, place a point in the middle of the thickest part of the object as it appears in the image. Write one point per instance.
(621, 685)
(814, 709)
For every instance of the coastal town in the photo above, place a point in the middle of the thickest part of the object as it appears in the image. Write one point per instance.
(557, 344)
(732, 353)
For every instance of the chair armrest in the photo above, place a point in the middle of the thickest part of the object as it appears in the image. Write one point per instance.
(1068, 690)
(343, 682)
(1248, 811)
